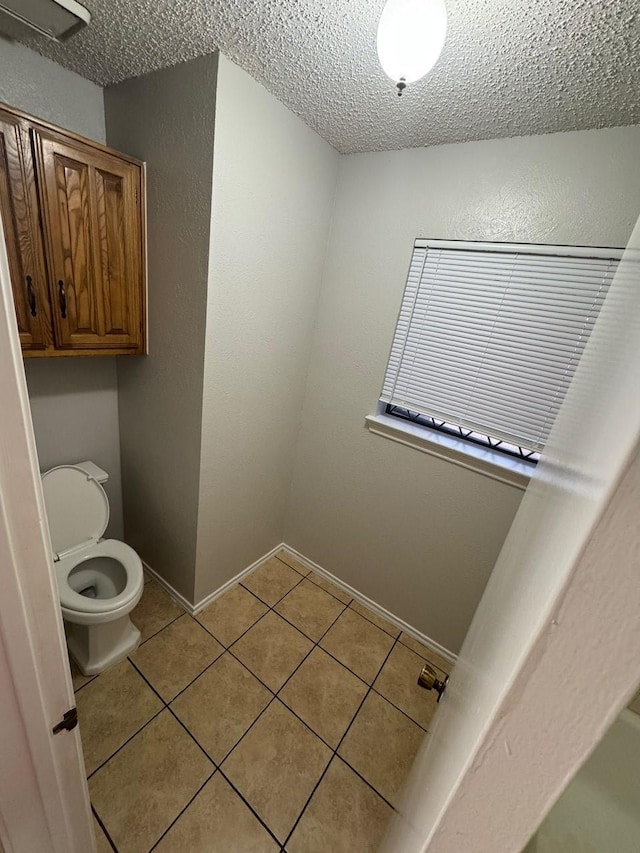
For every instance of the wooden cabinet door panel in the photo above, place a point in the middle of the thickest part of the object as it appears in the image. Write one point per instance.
(118, 240)
(19, 206)
(92, 215)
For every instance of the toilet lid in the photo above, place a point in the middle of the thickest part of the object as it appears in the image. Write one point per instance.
(77, 507)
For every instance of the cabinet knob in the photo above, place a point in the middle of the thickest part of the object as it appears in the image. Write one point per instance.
(31, 296)
(63, 299)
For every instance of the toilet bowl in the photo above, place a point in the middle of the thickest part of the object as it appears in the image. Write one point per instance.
(99, 581)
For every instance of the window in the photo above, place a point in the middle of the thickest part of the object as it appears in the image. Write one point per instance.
(489, 337)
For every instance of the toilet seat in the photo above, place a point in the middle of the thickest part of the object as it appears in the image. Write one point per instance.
(78, 512)
(80, 608)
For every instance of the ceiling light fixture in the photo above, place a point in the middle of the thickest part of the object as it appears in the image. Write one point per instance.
(411, 35)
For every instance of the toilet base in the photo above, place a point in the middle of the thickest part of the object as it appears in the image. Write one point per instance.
(96, 647)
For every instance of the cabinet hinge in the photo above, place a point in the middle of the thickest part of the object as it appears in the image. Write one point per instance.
(68, 722)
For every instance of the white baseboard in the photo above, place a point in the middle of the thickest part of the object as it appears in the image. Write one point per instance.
(205, 602)
(373, 605)
(193, 609)
(179, 599)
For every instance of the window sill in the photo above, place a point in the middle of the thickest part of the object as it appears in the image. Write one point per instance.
(490, 463)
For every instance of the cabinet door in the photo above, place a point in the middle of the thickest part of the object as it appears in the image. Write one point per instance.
(91, 206)
(19, 206)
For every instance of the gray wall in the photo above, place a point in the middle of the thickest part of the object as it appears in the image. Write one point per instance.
(38, 86)
(167, 119)
(74, 407)
(74, 401)
(273, 188)
(418, 534)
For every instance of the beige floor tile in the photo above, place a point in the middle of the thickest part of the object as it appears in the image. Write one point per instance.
(143, 788)
(276, 766)
(176, 655)
(111, 709)
(220, 706)
(358, 644)
(426, 653)
(398, 682)
(310, 609)
(271, 581)
(381, 745)
(230, 615)
(77, 678)
(325, 695)
(154, 610)
(272, 649)
(329, 587)
(377, 620)
(102, 844)
(290, 560)
(344, 816)
(217, 821)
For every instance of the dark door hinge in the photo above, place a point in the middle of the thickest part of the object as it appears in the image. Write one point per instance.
(68, 722)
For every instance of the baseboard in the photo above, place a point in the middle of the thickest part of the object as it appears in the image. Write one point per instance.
(373, 605)
(205, 602)
(180, 599)
(193, 609)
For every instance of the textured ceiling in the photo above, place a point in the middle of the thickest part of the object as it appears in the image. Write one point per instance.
(509, 67)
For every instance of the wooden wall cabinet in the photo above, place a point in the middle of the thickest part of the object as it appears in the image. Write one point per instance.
(73, 213)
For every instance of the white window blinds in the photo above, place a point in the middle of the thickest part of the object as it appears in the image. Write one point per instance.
(489, 335)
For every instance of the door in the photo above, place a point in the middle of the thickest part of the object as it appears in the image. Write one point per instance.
(19, 208)
(92, 217)
(551, 656)
(44, 801)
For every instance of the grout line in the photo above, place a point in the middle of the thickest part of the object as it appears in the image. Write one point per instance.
(274, 696)
(268, 705)
(291, 567)
(316, 643)
(93, 678)
(160, 630)
(250, 807)
(103, 828)
(147, 682)
(192, 736)
(246, 630)
(364, 699)
(366, 782)
(353, 601)
(198, 676)
(424, 658)
(122, 745)
(335, 751)
(182, 811)
(271, 606)
(398, 708)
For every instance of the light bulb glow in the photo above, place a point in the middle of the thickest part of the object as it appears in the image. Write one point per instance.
(411, 35)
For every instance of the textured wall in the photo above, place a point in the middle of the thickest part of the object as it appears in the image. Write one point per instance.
(416, 533)
(32, 83)
(563, 602)
(74, 402)
(74, 406)
(273, 188)
(167, 119)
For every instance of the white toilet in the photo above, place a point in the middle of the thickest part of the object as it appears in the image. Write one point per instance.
(100, 581)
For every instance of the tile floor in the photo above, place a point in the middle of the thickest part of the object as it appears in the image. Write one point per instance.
(284, 717)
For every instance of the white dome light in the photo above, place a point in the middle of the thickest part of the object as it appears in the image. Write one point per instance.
(411, 35)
